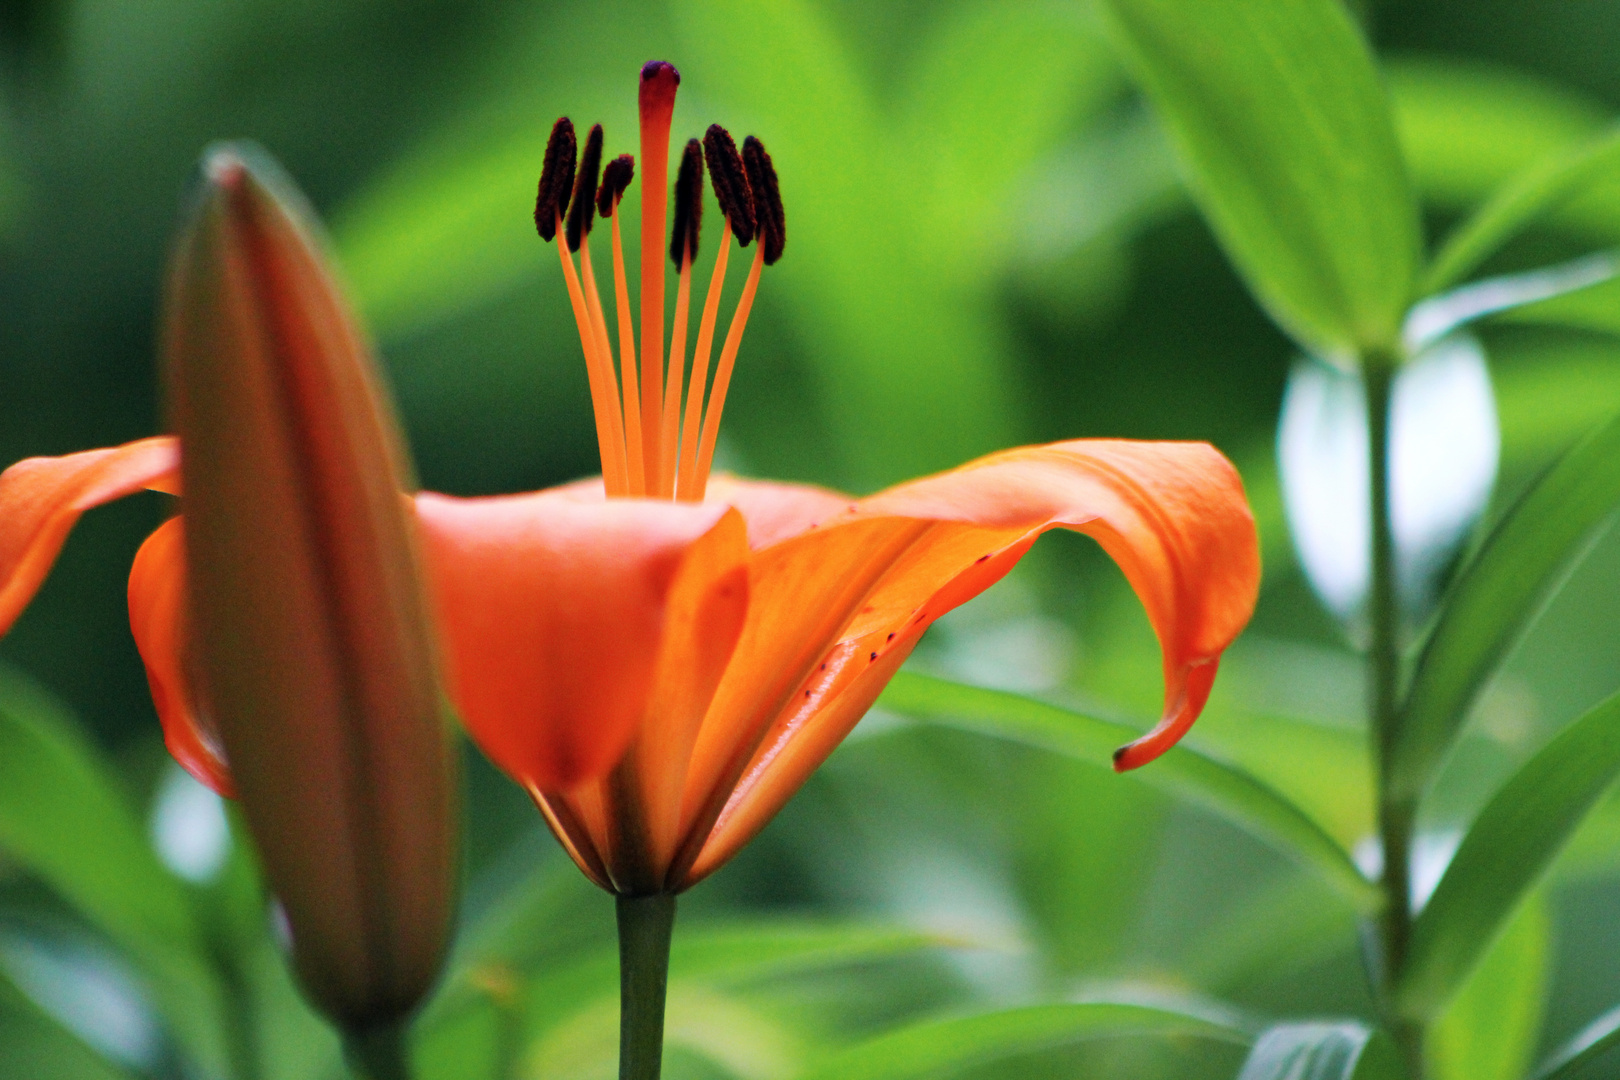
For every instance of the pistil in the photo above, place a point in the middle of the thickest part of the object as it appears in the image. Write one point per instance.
(659, 81)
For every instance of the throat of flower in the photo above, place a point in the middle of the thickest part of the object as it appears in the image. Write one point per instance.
(649, 445)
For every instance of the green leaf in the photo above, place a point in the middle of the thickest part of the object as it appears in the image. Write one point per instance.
(1491, 1028)
(34, 1045)
(1321, 1051)
(1518, 204)
(1434, 318)
(1286, 137)
(1183, 772)
(1467, 127)
(1521, 565)
(63, 818)
(936, 1047)
(1593, 1041)
(1594, 308)
(1506, 852)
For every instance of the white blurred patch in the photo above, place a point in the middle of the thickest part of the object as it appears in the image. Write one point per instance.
(1444, 449)
(87, 991)
(189, 829)
(1432, 852)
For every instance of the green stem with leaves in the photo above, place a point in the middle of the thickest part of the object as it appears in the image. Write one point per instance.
(1396, 815)
(645, 926)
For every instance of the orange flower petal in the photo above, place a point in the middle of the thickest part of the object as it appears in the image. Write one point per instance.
(553, 609)
(1173, 515)
(42, 498)
(774, 511)
(803, 592)
(157, 617)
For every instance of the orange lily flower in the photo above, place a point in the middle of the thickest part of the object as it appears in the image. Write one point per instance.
(662, 660)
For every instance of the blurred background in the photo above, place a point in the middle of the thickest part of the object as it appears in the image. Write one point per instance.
(988, 245)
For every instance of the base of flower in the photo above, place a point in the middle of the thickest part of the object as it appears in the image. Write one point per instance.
(378, 1053)
(645, 926)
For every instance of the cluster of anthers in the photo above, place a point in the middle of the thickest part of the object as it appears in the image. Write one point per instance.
(648, 448)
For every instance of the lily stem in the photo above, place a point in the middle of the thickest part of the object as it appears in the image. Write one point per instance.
(378, 1053)
(1395, 815)
(645, 926)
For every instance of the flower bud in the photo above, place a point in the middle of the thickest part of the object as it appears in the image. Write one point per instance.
(308, 650)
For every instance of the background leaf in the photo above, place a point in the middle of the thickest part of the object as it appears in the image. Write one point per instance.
(1320, 1051)
(1506, 851)
(1501, 590)
(64, 818)
(1519, 203)
(1594, 1041)
(1234, 795)
(939, 1047)
(1492, 1026)
(1286, 137)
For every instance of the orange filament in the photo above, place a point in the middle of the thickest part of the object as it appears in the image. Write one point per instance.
(669, 449)
(593, 366)
(604, 384)
(634, 451)
(722, 375)
(690, 490)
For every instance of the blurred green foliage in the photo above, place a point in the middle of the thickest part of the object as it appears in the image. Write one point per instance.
(990, 243)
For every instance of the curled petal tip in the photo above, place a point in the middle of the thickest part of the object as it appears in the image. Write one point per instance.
(1185, 704)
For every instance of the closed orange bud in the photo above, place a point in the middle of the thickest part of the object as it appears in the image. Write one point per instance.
(307, 646)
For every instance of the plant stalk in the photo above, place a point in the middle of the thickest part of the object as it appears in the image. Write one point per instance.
(1396, 816)
(645, 926)
(378, 1053)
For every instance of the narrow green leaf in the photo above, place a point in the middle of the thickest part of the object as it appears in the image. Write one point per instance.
(1491, 1028)
(1286, 137)
(1518, 204)
(1507, 850)
(1593, 1041)
(1183, 772)
(1345, 1050)
(1521, 565)
(938, 1047)
(63, 818)
(1595, 308)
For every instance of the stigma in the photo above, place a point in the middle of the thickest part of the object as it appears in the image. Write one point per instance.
(658, 416)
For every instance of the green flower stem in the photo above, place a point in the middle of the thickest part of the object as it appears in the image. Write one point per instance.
(645, 925)
(378, 1053)
(1395, 815)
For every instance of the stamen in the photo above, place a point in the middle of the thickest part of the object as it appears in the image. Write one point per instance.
(591, 346)
(583, 204)
(690, 489)
(683, 248)
(556, 179)
(730, 182)
(615, 178)
(722, 375)
(659, 80)
(767, 199)
(634, 452)
(683, 242)
(615, 478)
